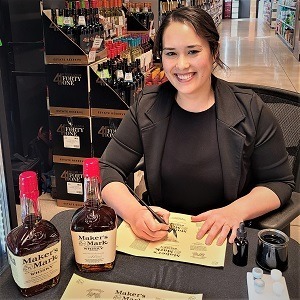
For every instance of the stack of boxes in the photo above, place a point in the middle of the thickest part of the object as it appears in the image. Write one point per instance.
(84, 111)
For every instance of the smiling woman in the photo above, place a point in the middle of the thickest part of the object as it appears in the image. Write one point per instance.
(205, 142)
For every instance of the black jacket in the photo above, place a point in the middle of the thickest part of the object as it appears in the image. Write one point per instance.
(251, 144)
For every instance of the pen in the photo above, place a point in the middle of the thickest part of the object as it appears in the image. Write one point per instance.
(155, 215)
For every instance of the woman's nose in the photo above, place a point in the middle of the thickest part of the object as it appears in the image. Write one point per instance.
(182, 63)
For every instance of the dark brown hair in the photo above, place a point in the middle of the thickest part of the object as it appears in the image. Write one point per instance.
(201, 21)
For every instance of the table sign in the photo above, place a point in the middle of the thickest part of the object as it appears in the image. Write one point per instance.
(82, 288)
(184, 248)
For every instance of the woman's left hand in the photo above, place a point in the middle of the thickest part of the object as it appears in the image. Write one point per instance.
(217, 224)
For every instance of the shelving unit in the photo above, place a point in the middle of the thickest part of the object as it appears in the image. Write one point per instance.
(213, 7)
(216, 11)
(287, 24)
(270, 12)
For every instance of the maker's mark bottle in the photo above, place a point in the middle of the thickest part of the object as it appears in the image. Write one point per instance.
(94, 227)
(34, 248)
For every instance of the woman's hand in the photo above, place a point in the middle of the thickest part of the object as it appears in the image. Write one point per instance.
(218, 223)
(146, 227)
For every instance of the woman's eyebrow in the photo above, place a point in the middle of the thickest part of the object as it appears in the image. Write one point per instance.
(189, 47)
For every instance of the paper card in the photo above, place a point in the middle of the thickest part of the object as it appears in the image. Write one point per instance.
(184, 248)
(74, 188)
(71, 142)
(82, 288)
(267, 293)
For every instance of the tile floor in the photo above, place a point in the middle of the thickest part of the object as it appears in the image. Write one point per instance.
(255, 55)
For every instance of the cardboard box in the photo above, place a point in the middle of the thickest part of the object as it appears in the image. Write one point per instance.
(68, 88)
(71, 137)
(60, 49)
(102, 131)
(69, 184)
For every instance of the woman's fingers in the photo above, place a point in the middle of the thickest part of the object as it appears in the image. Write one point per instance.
(217, 225)
(147, 227)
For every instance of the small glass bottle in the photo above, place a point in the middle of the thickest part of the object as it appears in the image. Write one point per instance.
(240, 247)
(94, 227)
(34, 248)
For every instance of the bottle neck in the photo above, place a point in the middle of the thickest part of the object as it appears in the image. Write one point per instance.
(30, 210)
(92, 197)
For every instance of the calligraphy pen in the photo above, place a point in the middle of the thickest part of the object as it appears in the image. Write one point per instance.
(155, 215)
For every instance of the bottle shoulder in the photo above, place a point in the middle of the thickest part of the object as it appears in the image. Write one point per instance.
(24, 240)
(101, 218)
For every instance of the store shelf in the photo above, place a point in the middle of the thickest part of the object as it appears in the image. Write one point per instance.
(287, 25)
(286, 6)
(270, 12)
(285, 41)
(213, 7)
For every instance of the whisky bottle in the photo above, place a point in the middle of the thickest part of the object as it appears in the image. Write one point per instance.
(34, 248)
(94, 228)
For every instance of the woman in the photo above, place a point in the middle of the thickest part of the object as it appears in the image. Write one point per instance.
(206, 143)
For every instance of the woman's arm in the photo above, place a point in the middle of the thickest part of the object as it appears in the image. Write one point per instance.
(119, 160)
(271, 176)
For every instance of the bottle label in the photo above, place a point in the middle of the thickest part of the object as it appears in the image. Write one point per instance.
(67, 21)
(119, 74)
(128, 77)
(60, 20)
(92, 248)
(37, 268)
(81, 21)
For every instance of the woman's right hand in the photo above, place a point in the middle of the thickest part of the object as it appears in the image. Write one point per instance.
(146, 227)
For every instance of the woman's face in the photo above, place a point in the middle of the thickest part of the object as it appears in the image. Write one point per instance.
(187, 59)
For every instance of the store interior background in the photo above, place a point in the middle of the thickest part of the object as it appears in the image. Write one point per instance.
(23, 105)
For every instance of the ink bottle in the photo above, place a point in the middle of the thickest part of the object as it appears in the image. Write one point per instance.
(240, 247)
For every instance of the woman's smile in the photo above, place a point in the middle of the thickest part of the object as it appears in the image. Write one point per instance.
(186, 77)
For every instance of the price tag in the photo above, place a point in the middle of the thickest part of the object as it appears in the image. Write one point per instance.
(97, 43)
(92, 55)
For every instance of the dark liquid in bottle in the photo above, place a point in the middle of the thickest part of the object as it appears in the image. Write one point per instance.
(94, 219)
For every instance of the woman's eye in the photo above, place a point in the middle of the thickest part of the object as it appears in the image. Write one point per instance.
(170, 53)
(193, 52)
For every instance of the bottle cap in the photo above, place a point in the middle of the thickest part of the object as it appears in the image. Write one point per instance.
(241, 232)
(257, 273)
(28, 185)
(91, 168)
(276, 274)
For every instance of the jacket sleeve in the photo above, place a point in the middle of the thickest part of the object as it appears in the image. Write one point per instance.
(269, 160)
(124, 150)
